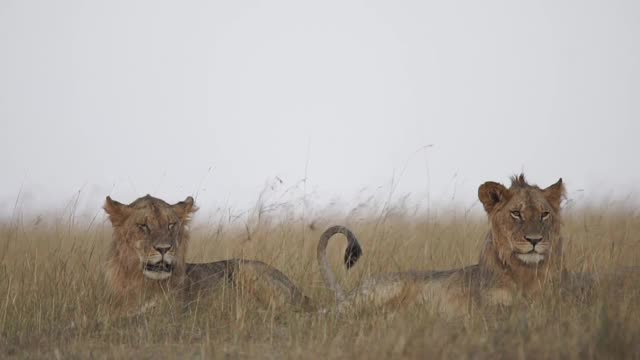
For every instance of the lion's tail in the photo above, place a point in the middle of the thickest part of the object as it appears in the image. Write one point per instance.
(351, 256)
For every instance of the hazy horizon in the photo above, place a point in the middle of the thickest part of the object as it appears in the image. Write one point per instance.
(222, 100)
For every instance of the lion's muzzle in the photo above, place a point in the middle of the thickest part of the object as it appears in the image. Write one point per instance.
(533, 249)
(533, 239)
(159, 266)
(158, 271)
(531, 257)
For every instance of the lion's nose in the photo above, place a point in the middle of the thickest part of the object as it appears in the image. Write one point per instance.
(533, 238)
(162, 248)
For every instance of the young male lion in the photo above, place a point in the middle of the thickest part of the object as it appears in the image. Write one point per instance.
(147, 259)
(521, 255)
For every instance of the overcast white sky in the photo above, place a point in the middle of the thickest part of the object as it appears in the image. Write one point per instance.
(219, 98)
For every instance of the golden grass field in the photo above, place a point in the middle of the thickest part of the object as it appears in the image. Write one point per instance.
(53, 301)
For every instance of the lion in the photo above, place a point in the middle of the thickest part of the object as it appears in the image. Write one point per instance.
(521, 256)
(147, 259)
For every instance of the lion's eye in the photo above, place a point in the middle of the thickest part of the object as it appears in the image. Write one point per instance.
(545, 215)
(143, 227)
(516, 214)
(172, 225)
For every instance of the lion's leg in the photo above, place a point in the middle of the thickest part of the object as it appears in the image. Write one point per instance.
(377, 294)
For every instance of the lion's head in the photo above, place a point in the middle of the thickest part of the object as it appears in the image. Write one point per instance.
(525, 221)
(149, 240)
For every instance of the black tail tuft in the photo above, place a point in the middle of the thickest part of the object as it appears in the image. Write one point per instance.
(352, 254)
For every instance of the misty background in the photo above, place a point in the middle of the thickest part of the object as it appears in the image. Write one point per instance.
(330, 101)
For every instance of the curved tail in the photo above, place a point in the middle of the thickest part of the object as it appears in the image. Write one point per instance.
(351, 256)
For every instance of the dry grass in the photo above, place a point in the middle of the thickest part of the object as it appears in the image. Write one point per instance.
(52, 292)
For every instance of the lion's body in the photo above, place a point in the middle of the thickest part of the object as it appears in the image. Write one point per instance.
(147, 260)
(452, 291)
(266, 283)
(522, 255)
(444, 291)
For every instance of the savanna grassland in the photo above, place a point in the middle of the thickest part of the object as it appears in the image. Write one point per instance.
(53, 301)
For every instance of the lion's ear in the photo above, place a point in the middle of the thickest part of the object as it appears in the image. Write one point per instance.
(491, 194)
(118, 212)
(185, 209)
(555, 194)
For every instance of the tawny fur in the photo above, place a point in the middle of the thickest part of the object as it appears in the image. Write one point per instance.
(510, 266)
(149, 224)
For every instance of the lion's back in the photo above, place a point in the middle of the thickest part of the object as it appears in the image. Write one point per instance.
(205, 276)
